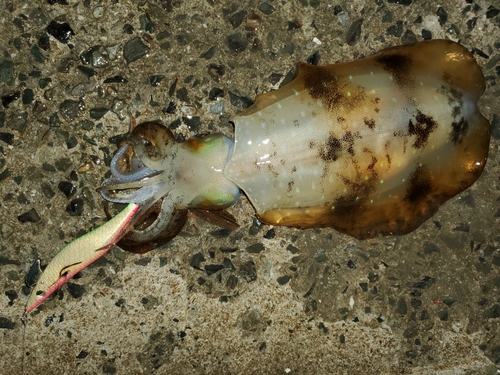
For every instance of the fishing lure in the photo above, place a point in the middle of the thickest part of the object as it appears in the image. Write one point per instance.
(371, 147)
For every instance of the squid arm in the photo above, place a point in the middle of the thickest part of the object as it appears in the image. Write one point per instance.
(79, 254)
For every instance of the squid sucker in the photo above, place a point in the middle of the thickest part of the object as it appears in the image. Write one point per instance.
(370, 148)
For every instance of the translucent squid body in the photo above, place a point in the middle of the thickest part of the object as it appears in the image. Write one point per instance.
(371, 147)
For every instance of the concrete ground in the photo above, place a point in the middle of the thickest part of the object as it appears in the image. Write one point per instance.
(272, 300)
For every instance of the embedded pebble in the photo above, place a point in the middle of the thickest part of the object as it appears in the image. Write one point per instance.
(146, 23)
(226, 262)
(7, 72)
(18, 121)
(294, 25)
(60, 31)
(44, 82)
(9, 98)
(83, 354)
(228, 249)
(184, 39)
(6, 230)
(75, 207)
(240, 101)
(67, 188)
(251, 320)
(492, 11)
(7, 138)
(98, 113)
(255, 248)
(495, 126)
(63, 164)
(47, 190)
(217, 108)
(89, 140)
(98, 12)
(60, 2)
(170, 109)
(282, 280)
(156, 79)
(209, 54)
(210, 269)
(274, 78)
(37, 54)
(395, 30)
(232, 282)
(220, 233)
(442, 15)
(37, 16)
(256, 227)
(85, 125)
(95, 56)
(120, 108)
(99, 57)
(453, 31)
(69, 109)
(196, 260)
(472, 23)
(237, 18)
(128, 28)
(6, 323)
(354, 32)
(116, 79)
(425, 283)
(215, 93)
(28, 96)
(86, 71)
(193, 123)
(166, 46)
(443, 315)
(249, 271)
(89, 196)
(112, 51)
(48, 167)
(270, 234)
(134, 49)
(343, 18)
(5, 174)
(388, 17)
(33, 274)
(320, 257)
(216, 71)
(266, 8)
(426, 34)
(30, 216)
(75, 290)
(237, 42)
(400, 2)
(182, 95)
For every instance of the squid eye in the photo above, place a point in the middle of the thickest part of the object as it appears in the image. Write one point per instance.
(39, 292)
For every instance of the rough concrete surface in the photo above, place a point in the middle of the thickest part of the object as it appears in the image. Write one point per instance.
(285, 301)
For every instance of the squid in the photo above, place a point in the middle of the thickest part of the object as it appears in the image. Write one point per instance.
(370, 148)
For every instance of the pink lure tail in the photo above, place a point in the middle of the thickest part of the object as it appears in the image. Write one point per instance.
(79, 254)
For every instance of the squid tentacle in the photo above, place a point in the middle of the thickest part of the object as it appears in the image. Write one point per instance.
(139, 196)
(140, 173)
(115, 183)
(142, 154)
(162, 221)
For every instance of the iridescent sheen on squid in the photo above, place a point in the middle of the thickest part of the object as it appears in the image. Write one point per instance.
(370, 147)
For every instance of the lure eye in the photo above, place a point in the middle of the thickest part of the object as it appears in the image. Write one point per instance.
(39, 292)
